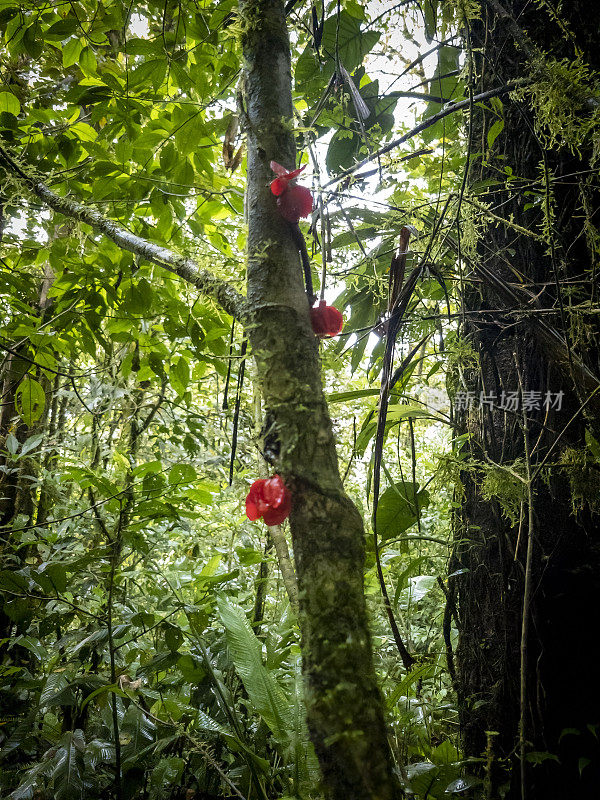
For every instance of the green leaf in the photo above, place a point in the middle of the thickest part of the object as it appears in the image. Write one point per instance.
(9, 103)
(68, 770)
(417, 588)
(87, 62)
(61, 29)
(397, 509)
(342, 151)
(180, 375)
(152, 72)
(18, 609)
(139, 727)
(494, 131)
(418, 673)
(192, 671)
(83, 131)
(354, 43)
(13, 581)
(189, 134)
(430, 19)
(422, 778)
(12, 444)
(32, 42)
(167, 771)
(54, 687)
(446, 88)
(139, 298)
(30, 400)
(445, 753)
(266, 695)
(173, 637)
(182, 473)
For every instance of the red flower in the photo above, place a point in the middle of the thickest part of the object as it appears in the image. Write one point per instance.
(326, 320)
(293, 201)
(268, 498)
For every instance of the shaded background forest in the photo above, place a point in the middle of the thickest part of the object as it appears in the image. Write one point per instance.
(149, 641)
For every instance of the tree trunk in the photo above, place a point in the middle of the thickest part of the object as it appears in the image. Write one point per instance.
(527, 657)
(344, 707)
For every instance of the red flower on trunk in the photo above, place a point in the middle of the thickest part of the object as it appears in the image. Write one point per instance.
(268, 498)
(326, 320)
(293, 201)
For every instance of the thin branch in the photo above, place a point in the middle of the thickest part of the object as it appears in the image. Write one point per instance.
(427, 123)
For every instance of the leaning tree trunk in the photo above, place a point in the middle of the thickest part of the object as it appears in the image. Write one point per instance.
(529, 651)
(344, 707)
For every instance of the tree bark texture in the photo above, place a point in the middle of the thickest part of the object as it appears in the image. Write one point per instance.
(344, 706)
(561, 647)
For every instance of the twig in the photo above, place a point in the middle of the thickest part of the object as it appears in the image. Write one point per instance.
(478, 98)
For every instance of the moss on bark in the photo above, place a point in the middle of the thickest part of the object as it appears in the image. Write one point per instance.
(344, 706)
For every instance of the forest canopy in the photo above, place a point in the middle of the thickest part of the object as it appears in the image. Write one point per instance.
(300, 399)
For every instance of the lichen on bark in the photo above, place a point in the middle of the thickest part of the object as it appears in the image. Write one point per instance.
(344, 706)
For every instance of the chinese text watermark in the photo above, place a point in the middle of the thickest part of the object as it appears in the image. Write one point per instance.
(510, 401)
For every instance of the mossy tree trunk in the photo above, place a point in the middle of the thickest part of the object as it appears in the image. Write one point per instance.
(558, 649)
(344, 706)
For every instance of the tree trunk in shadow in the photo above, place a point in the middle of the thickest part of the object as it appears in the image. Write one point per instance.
(551, 711)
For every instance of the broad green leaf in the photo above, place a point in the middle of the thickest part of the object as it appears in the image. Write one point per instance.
(55, 684)
(494, 131)
(192, 671)
(180, 375)
(67, 776)
(417, 588)
(445, 86)
(167, 771)
(32, 40)
(353, 44)
(83, 131)
(30, 400)
(182, 473)
(152, 72)
(189, 134)
(139, 727)
(62, 29)
(13, 581)
(418, 673)
(397, 508)
(87, 62)
(12, 444)
(9, 103)
(267, 697)
(71, 52)
(422, 778)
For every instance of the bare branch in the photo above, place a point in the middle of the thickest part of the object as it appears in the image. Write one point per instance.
(427, 123)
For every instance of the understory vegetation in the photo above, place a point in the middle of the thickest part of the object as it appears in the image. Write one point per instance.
(155, 642)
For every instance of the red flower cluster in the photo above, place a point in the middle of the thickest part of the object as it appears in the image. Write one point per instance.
(293, 201)
(268, 498)
(326, 320)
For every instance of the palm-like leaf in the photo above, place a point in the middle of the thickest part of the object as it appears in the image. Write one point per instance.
(266, 695)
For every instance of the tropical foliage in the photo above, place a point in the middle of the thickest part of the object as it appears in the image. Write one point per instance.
(149, 634)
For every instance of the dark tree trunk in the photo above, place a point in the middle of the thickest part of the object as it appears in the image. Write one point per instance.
(554, 707)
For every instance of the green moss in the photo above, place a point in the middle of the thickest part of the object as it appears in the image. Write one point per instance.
(259, 22)
(566, 101)
(583, 472)
(507, 490)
